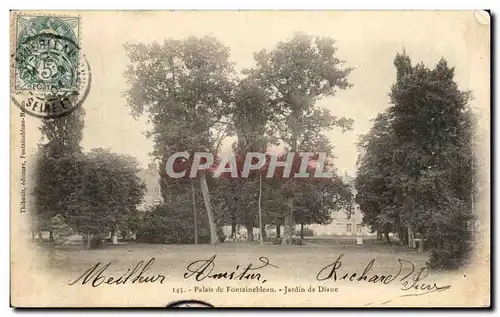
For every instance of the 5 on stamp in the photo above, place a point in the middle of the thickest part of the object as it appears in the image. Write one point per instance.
(50, 75)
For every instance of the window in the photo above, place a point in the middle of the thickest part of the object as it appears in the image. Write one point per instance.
(340, 228)
(157, 189)
(358, 228)
(349, 228)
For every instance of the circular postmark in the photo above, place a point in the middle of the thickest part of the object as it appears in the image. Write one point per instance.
(51, 76)
(189, 304)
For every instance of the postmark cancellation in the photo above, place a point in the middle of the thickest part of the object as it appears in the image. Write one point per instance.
(49, 74)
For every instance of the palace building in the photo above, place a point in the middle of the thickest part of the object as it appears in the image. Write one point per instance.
(343, 223)
(151, 178)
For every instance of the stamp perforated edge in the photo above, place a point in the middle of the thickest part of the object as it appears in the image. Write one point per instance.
(13, 42)
(13, 38)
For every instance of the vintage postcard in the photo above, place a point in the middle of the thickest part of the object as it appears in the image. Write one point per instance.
(250, 158)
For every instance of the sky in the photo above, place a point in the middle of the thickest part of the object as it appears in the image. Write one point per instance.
(367, 41)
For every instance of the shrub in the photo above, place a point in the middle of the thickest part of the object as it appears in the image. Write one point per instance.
(161, 224)
(450, 239)
(59, 227)
(308, 232)
(276, 240)
(95, 242)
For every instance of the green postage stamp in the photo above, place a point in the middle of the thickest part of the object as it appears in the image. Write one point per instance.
(50, 76)
(47, 54)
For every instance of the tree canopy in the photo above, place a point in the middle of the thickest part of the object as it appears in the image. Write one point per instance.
(416, 168)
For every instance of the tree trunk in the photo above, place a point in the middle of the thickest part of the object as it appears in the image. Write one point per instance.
(194, 213)
(386, 233)
(402, 236)
(302, 231)
(208, 206)
(260, 210)
(287, 226)
(288, 232)
(411, 238)
(89, 241)
(51, 236)
(33, 236)
(278, 231)
(249, 232)
(233, 229)
(379, 234)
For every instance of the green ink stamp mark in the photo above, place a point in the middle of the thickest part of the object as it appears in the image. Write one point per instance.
(50, 75)
(47, 55)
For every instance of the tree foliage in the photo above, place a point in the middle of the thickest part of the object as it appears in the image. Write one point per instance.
(193, 100)
(294, 75)
(186, 87)
(108, 192)
(55, 172)
(161, 223)
(417, 166)
(92, 193)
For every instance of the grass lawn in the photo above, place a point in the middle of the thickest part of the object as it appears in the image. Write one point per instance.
(294, 261)
(298, 267)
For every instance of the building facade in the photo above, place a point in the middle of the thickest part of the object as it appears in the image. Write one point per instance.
(344, 223)
(151, 179)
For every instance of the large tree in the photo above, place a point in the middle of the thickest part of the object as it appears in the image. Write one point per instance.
(251, 117)
(55, 172)
(108, 192)
(296, 74)
(432, 125)
(186, 87)
(381, 179)
(378, 182)
(416, 168)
